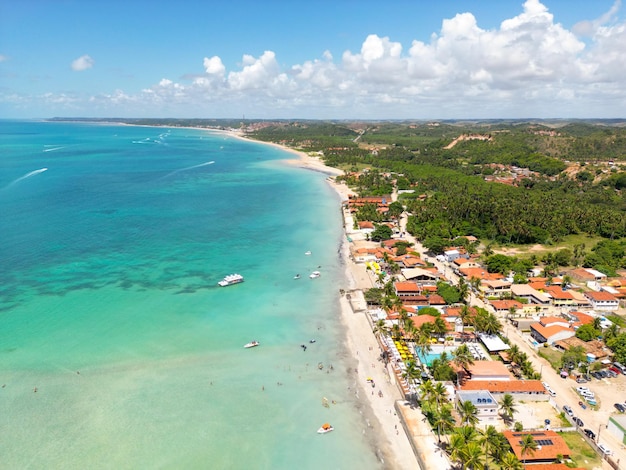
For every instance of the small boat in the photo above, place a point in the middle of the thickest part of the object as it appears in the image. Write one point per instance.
(251, 344)
(297, 276)
(315, 274)
(325, 402)
(325, 428)
(307, 253)
(311, 341)
(320, 366)
(230, 280)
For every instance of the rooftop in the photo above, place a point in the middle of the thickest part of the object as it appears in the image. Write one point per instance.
(549, 445)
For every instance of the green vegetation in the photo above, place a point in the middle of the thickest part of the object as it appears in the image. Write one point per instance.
(581, 453)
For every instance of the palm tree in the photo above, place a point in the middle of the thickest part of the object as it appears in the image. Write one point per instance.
(528, 446)
(513, 353)
(507, 407)
(463, 289)
(396, 332)
(510, 462)
(412, 372)
(611, 332)
(597, 323)
(468, 413)
(472, 455)
(440, 326)
(440, 394)
(489, 439)
(462, 358)
(426, 391)
(380, 328)
(465, 314)
(444, 421)
(456, 447)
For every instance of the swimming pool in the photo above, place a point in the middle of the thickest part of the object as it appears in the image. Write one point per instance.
(435, 353)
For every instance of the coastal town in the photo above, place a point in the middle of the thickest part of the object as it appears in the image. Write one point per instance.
(469, 366)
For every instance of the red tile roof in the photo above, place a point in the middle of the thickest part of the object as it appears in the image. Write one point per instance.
(505, 386)
(551, 445)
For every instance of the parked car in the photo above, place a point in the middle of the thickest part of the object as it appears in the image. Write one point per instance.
(619, 407)
(582, 389)
(581, 380)
(590, 434)
(603, 373)
(568, 410)
(596, 375)
(620, 367)
(611, 373)
(579, 422)
(605, 450)
(615, 369)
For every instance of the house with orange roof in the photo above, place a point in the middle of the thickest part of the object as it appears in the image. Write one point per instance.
(480, 273)
(527, 390)
(552, 320)
(488, 370)
(602, 300)
(595, 348)
(560, 297)
(504, 306)
(366, 226)
(579, 299)
(464, 263)
(419, 320)
(406, 288)
(421, 275)
(495, 287)
(550, 334)
(533, 296)
(587, 275)
(550, 446)
(580, 318)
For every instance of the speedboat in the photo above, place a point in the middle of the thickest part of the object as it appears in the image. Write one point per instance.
(307, 253)
(251, 344)
(230, 280)
(325, 428)
(297, 276)
(315, 274)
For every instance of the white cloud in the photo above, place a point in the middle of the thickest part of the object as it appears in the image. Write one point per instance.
(84, 62)
(530, 65)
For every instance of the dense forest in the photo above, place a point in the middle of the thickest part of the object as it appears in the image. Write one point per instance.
(503, 182)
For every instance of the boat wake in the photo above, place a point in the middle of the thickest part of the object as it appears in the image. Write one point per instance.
(186, 169)
(53, 149)
(27, 175)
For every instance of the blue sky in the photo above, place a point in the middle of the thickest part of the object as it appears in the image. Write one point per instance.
(321, 59)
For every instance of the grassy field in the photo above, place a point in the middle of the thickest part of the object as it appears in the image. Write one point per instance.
(582, 453)
(552, 356)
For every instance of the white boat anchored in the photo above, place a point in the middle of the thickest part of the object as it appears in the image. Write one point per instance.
(315, 274)
(325, 428)
(251, 344)
(307, 253)
(230, 280)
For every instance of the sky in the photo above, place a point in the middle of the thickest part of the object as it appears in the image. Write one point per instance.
(315, 59)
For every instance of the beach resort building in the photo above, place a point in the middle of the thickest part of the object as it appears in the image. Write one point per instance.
(550, 334)
(521, 390)
(550, 446)
(488, 370)
(486, 405)
(602, 300)
(533, 296)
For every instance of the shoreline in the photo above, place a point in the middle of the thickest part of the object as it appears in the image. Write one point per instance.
(392, 445)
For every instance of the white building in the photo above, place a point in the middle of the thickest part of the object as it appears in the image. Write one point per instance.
(486, 405)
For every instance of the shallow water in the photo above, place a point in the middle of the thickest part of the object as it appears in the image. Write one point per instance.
(109, 305)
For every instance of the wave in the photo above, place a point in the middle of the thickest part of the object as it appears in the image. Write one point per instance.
(53, 149)
(27, 175)
(185, 169)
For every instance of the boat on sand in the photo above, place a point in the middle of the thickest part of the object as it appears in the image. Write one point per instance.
(325, 428)
(251, 344)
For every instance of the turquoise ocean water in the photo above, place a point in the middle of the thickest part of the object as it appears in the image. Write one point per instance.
(109, 260)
